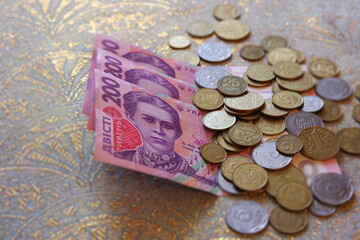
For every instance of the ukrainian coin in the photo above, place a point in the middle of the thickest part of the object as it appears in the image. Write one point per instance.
(218, 120)
(279, 177)
(208, 99)
(332, 188)
(270, 126)
(273, 41)
(213, 153)
(356, 113)
(179, 41)
(274, 139)
(357, 92)
(302, 84)
(267, 156)
(226, 11)
(232, 85)
(229, 165)
(245, 134)
(312, 104)
(270, 110)
(252, 52)
(297, 121)
(249, 177)
(252, 116)
(281, 54)
(225, 136)
(228, 146)
(333, 89)
(276, 88)
(287, 100)
(249, 101)
(227, 185)
(247, 217)
(319, 143)
(260, 72)
(232, 30)
(187, 56)
(287, 221)
(231, 111)
(214, 51)
(200, 28)
(294, 196)
(324, 68)
(300, 57)
(289, 144)
(320, 209)
(349, 139)
(213, 138)
(331, 111)
(255, 83)
(288, 70)
(208, 77)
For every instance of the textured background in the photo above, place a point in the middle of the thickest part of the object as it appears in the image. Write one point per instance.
(50, 185)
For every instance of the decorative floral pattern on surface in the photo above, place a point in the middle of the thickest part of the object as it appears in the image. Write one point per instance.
(50, 185)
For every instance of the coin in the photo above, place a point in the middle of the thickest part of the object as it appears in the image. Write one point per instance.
(276, 88)
(252, 116)
(249, 101)
(208, 99)
(249, 177)
(277, 178)
(252, 52)
(357, 92)
(287, 100)
(187, 56)
(214, 51)
(229, 165)
(232, 85)
(247, 217)
(319, 143)
(273, 41)
(294, 196)
(200, 28)
(232, 30)
(245, 134)
(324, 68)
(297, 121)
(331, 111)
(333, 89)
(255, 83)
(225, 136)
(213, 138)
(281, 54)
(267, 156)
(213, 153)
(179, 41)
(312, 104)
(227, 185)
(208, 77)
(300, 57)
(228, 146)
(349, 139)
(289, 144)
(320, 209)
(260, 72)
(302, 84)
(226, 11)
(270, 110)
(356, 113)
(286, 221)
(218, 120)
(288, 70)
(332, 188)
(270, 126)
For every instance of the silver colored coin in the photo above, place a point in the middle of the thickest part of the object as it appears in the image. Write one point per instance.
(333, 89)
(227, 185)
(298, 121)
(247, 217)
(218, 120)
(321, 209)
(214, 51)
(312, 104)
(267, 156)
(208, 77)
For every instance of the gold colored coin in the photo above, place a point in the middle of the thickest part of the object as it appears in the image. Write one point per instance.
(288, 174)
(260, 72)
(270, 126)
(287, 221)
(300, 57)
(213, 138)
(288, 70)
(252, 116)
(289, 144)
(357, 92)
(276, 88)
(218, 120)
(324, 68)
(228, 146)
(225, 136)
(213, 153)
(186, 56)
(302, 84)
(179, 41)
(294, 196)
(281, 54)
(226, 11)
(331, 111)
(349, 139)
(356, 113)
(249, 177)
(252, 52)
(319, 143)
(208, 99)
(245, 134)
(287, 100)
(270, 110)
(232, 30)
(249, 101)
(231, 85)
(200, 28)
(273, 41)
(255, 83)
(229, 165)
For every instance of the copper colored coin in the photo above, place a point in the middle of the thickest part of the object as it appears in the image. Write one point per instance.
(226, 11)
(319, 143)
(245, 134)
(297, 121)
(287, 221)
(324, 68)
(289, 144)
(213, 153)
(232, 85)
(349, 140)
(252, 52)
(208, 99)
(333, 89)
(249, 177)
(356, 113)
(320, 209)
(287, 100)
(229, 165)
(288, 70)
(294, 196)
(273, 41)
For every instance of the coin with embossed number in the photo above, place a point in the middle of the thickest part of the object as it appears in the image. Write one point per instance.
(273, 41)
(245, 134)
(232, 85)
(200, 28)
(302, 84)
(218, 120)
(312, 104)
(213, 153)
(356, 113)
(232, 30)
(333, 89)
(294, 196)
(227, 185)
(214, 51)
(187, 56)
(270, 110)
(320, 209)
(179, 41)
(208, 77)
(287, 221)
(324, 68)
(289, 144)
(260, 72)
(281, 54)
(229, 165)
(267, 156)
(208, 99)
(349, 139)
(287, 99)
(226, 11)
(288, 70)
(269, 125)
(331, 111)
(252, 52)
(297, 121)
(249, 177)
(247, 217)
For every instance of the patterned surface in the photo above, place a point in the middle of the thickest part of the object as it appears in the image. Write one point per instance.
(50, 185)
